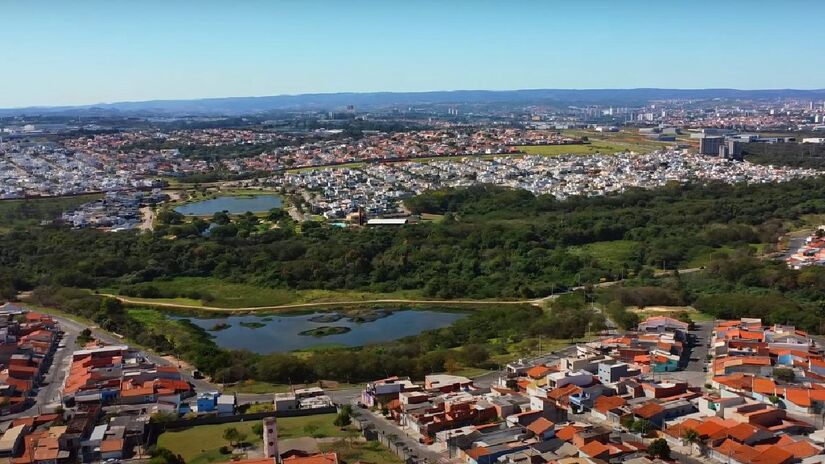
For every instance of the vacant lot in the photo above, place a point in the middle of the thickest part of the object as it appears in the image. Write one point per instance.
(671, 311)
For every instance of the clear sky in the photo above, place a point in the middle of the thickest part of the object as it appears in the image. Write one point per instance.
(87, 51)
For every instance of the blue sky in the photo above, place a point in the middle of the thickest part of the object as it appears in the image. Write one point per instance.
(87, 51)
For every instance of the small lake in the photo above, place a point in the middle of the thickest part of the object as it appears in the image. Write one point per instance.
(282, 333)
(231, 204)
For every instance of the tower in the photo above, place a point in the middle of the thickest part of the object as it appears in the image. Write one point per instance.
(271, 439)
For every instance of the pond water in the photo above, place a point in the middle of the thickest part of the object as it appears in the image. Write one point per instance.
(231, 204)
(282, 333)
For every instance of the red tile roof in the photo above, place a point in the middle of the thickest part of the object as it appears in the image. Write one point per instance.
(648, 410)
(540, 426)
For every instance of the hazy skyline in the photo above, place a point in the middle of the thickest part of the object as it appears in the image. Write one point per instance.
(65, 53)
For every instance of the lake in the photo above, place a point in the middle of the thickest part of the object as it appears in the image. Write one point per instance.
(282, 333)
(231, 204)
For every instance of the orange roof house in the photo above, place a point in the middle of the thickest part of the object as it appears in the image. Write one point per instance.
(649, 410)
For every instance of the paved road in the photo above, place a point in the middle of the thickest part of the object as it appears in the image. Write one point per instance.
(49, 393)
(794, 244)
(74, 328)
(694, 373)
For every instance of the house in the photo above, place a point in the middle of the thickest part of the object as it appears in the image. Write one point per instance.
(609, 408)
(610, 373)
(207, 401)
(542, 429)
(662, 324)
(446, 383)
(285, 402)
(12, 439)
(226, 404)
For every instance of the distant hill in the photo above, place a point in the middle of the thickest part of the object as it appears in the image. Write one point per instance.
(249, 105)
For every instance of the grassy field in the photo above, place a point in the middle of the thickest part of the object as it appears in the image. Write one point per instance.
(158, 322)
(594, 147)
(236, 295)
(507, 352)
(612, 253)
(200, 445)
(35, 210)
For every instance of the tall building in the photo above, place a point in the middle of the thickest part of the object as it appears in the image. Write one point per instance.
(710, 145)
(734, 150)
(271, 438)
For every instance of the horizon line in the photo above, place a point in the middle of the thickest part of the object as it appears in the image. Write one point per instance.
(399, 92)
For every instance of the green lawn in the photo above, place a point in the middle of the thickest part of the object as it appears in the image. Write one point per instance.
(200, 445)
(612, 254)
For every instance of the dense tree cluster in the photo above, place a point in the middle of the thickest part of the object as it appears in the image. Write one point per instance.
(493, 242)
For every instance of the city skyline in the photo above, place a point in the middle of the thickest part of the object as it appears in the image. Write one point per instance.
(100, 53)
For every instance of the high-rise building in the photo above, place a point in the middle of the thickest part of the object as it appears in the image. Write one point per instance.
(734, 150)
(710, 145)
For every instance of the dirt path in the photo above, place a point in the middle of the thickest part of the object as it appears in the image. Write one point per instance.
(148, 218)
(533, 301)
(139, 302)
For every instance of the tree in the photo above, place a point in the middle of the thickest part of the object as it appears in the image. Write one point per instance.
(659, 449)
(627, 421)
(231, 435)
(221, 217)
(162, 417)
(641, 426)
(164, 456)
(784, 374)
(451, 365)
(691, 436)
(343, 419)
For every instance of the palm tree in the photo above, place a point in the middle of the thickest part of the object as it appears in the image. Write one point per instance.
(691, 436)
